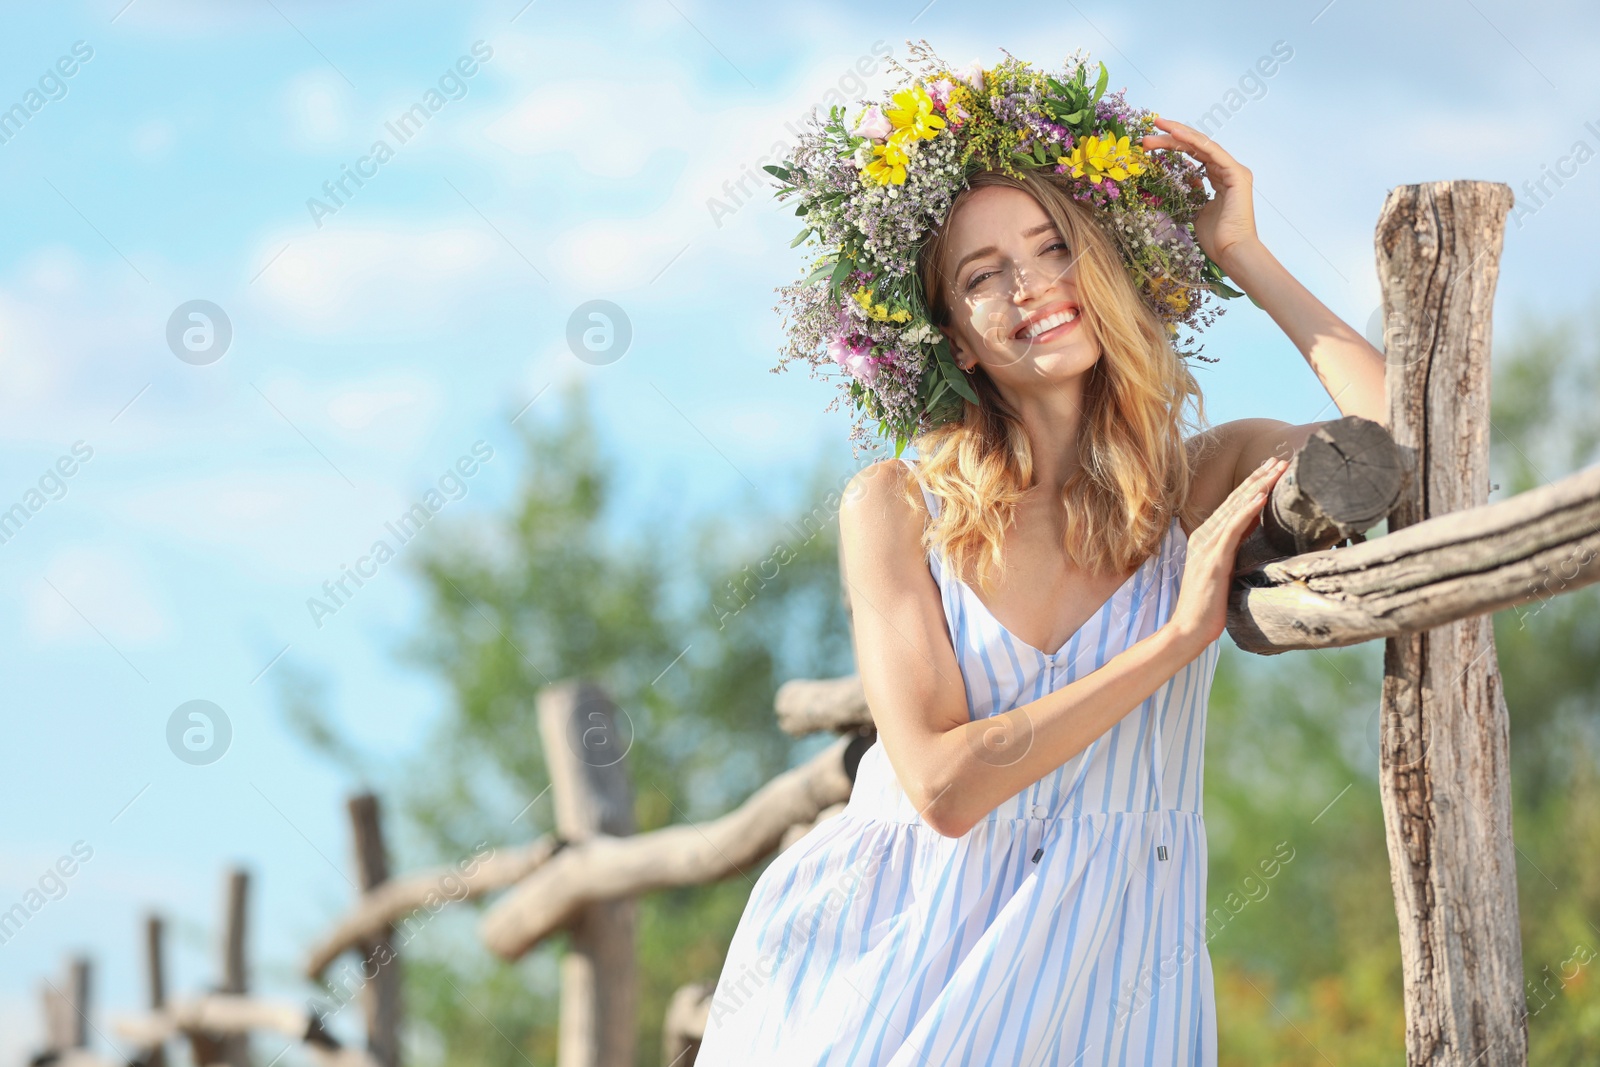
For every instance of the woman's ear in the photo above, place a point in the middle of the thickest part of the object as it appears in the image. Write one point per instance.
(958, 351)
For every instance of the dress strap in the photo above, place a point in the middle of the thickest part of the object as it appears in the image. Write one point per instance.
(933, 510)
(927, 497)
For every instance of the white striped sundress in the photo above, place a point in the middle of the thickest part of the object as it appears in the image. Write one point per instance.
(874, 940)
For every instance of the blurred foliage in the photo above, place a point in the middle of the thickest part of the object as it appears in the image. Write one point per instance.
(691, 632)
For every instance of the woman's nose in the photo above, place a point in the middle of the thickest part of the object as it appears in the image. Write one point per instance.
(1030, 280)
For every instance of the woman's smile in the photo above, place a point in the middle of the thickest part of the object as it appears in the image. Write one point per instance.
(1050, 323)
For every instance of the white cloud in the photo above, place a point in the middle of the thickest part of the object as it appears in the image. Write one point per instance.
(724, 144)
(276, 522)
(111, 589)
(358, 409)
(317, 107)
(152, 140)
(375, 282)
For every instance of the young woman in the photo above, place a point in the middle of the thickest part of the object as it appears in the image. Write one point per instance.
(1020, 874)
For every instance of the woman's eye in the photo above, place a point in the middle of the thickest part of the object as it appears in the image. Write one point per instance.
(976, 278)
(1057, 244)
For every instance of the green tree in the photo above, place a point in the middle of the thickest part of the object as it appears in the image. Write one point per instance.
(690, 636)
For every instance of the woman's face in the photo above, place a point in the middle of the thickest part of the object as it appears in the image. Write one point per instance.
(1012, 292)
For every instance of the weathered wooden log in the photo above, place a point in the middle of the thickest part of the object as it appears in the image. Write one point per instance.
(1341, 483)
(74, 1057)
(685, 1024)
(394, 900)
(805, 706)
(1444, 766)
(222, 1014)
(584, 752)
(1425, 575)
(155, 972)
(608, 868)
(380, 996)
(229, 1015)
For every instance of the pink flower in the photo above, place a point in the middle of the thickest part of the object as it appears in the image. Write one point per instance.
(873, 125)
(939, 91)
(854, 356)
(972, 74)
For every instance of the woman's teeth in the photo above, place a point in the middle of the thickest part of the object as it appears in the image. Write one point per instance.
(1050, 322)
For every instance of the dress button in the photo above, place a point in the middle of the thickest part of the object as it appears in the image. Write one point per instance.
(1040, 811)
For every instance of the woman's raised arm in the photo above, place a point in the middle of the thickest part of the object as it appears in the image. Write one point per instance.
(1348, 366)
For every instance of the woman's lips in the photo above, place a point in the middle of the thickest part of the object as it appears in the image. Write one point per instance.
(1055, 333)
(1064, 307)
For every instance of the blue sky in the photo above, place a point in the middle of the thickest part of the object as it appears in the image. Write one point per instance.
(377, 345)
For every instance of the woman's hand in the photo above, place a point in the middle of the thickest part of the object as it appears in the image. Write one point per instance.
(1201, 613)
(1228, 220)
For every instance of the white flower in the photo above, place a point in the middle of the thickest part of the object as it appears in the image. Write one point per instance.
(863, 156)
(972, 74)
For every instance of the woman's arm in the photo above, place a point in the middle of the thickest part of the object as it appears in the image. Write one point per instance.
(956, 771)
(1349, 368)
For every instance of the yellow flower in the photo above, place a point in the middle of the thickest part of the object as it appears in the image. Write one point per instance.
(1097, 157)
(913, 114)
(888, 162)
(878, 312)
(955, 104)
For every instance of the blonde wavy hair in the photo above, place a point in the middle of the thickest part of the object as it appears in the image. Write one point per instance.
(1134, 471)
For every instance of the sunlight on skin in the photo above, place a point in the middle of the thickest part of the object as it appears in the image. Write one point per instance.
(995, 293)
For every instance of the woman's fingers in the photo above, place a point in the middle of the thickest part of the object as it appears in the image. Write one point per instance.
(1192, 141)
(1243, 505)
(1203, 146)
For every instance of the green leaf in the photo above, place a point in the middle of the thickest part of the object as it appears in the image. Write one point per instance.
(1223, 289)
(802, 209)
(840, 271)
(777, 172)
(1100, 83)
(822, 270)
(958, 382)
(950, 372)
(803, 235)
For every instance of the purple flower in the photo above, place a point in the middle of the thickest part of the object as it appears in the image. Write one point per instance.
(854, 355)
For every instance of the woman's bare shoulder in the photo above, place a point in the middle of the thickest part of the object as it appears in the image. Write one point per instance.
(1214, 466)
(882, 515)
(879, 503)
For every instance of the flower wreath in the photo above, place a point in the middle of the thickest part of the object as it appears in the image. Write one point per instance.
(872, 193)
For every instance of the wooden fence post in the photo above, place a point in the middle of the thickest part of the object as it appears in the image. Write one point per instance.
(230, 1049)
(381, 997)
(155, 980)
(589, 782)
(78, 997)
(1444, 769)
